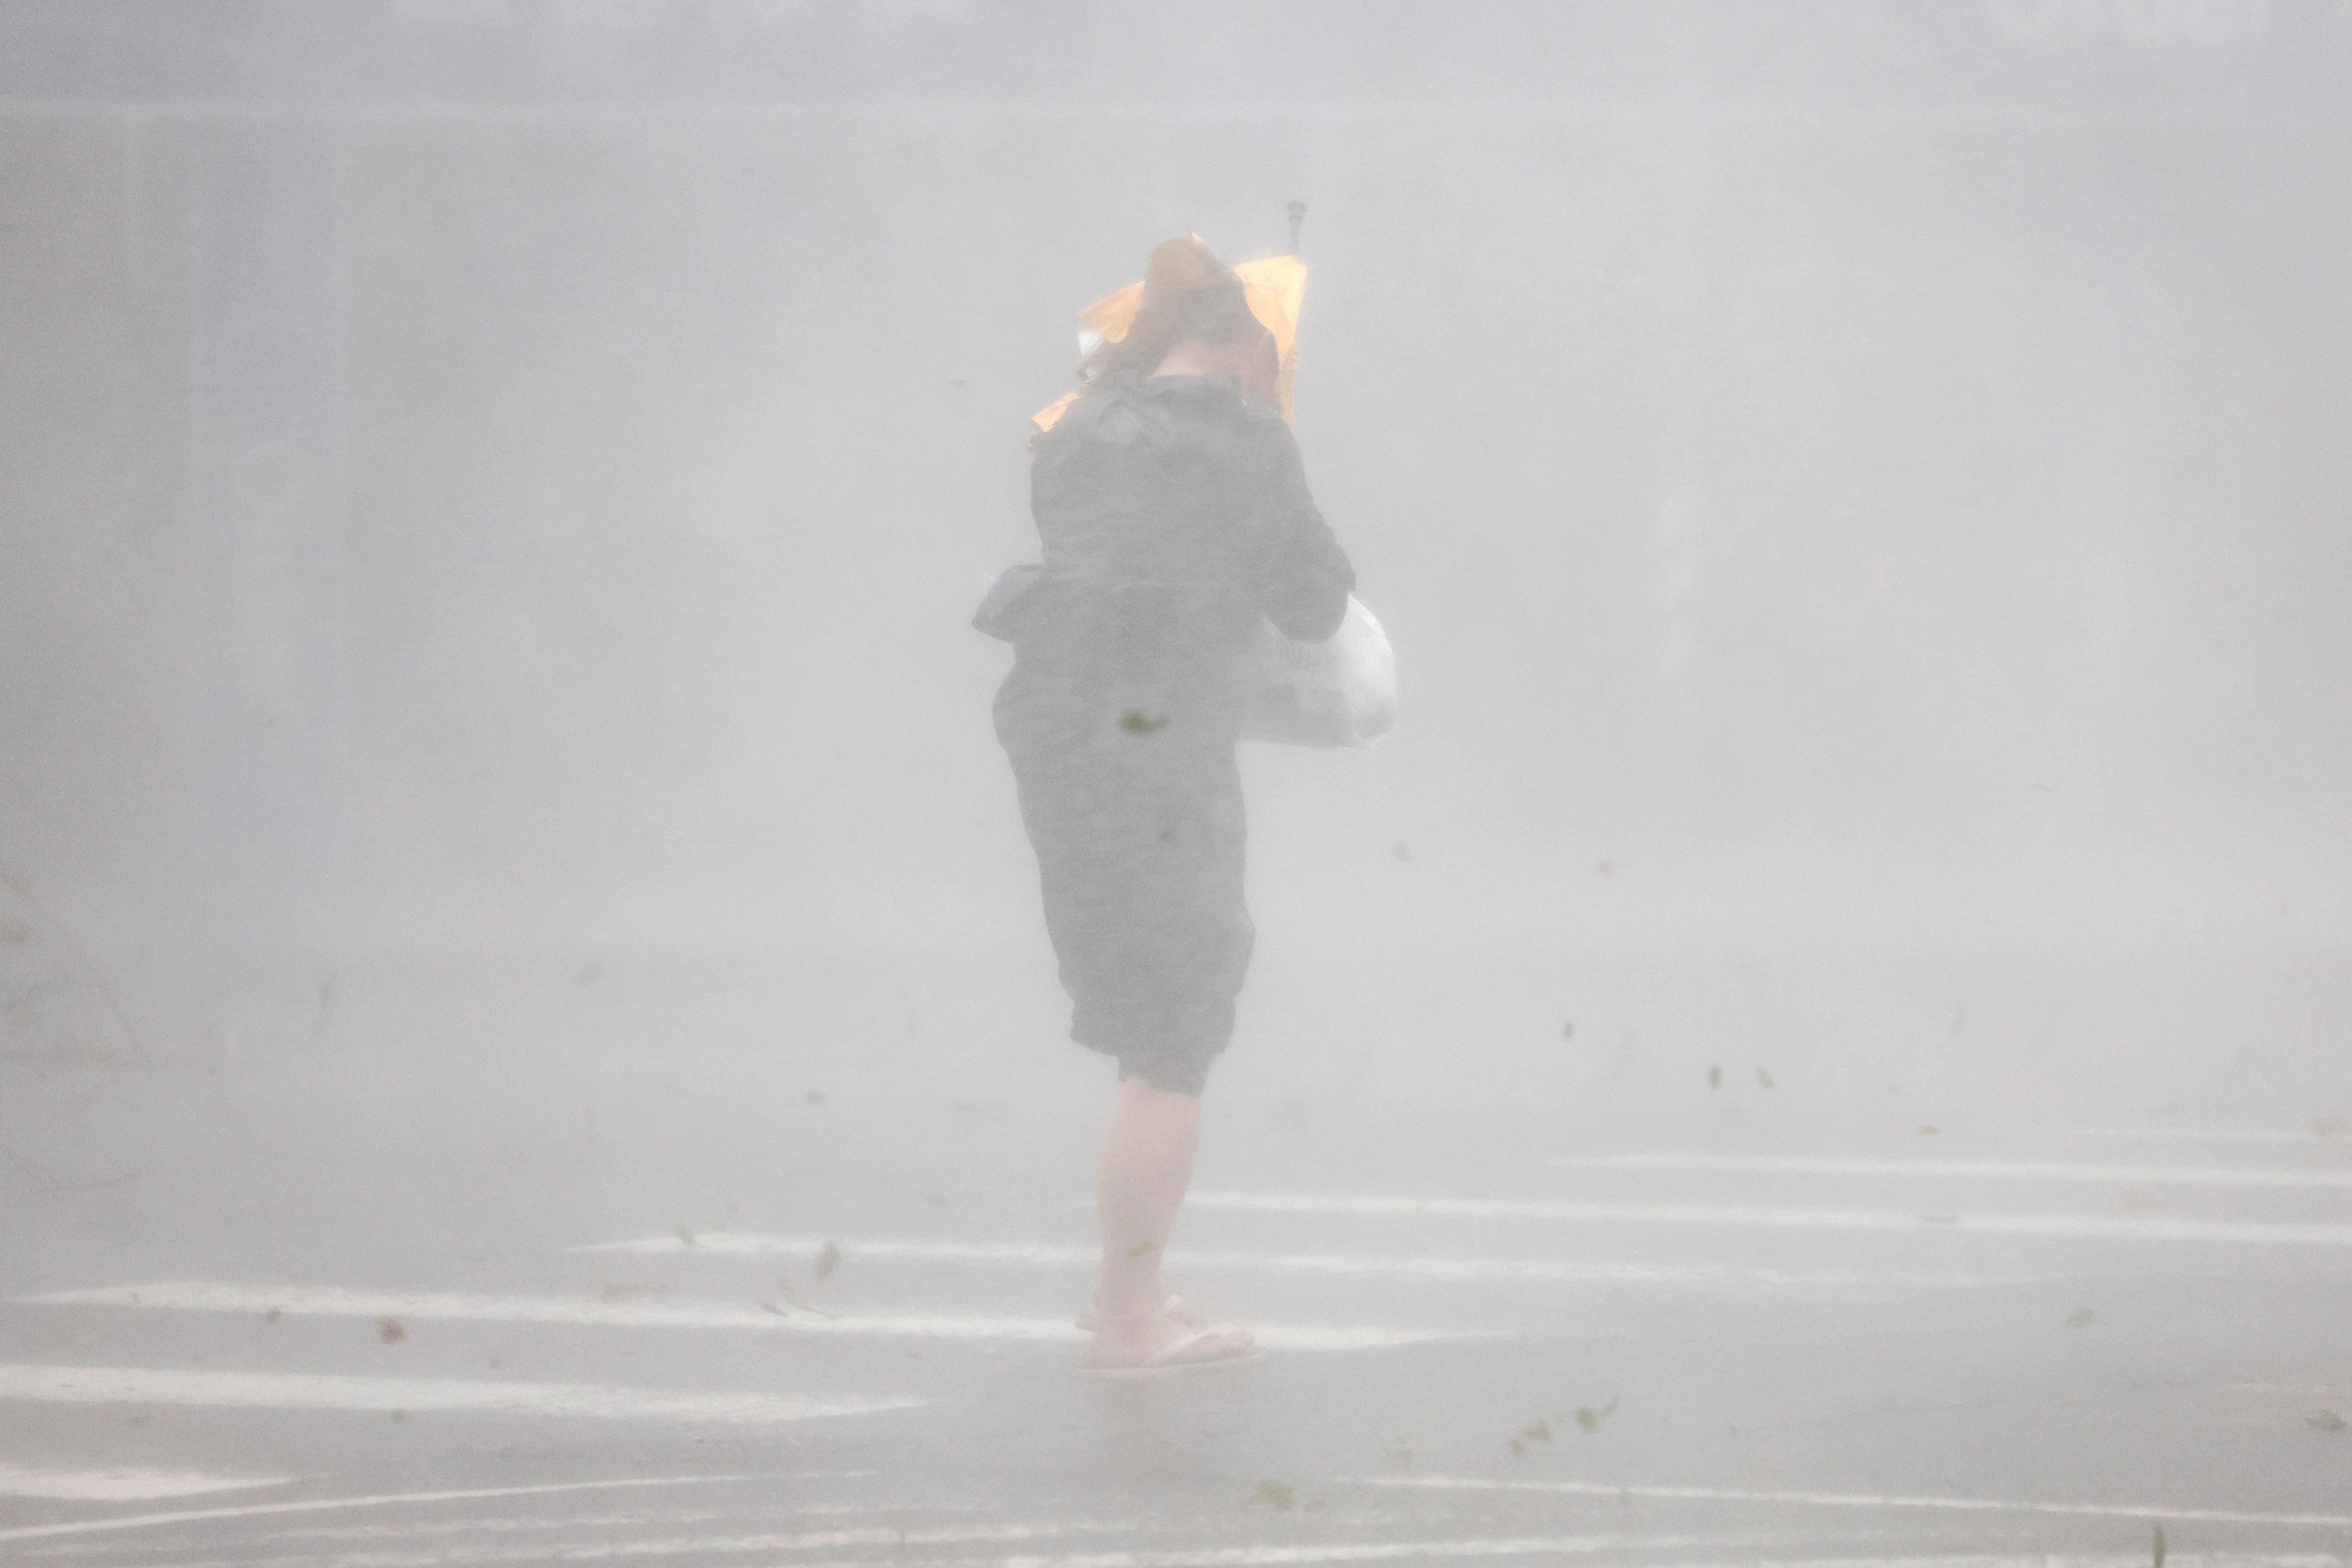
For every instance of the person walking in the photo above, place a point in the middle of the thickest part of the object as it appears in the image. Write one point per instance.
(1175, 514)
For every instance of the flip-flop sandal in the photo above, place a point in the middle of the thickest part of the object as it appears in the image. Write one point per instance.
(1173, 1360)
(1168, 1309)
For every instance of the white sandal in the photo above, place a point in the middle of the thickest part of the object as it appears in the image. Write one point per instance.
(1172, 1358)
(1176, 1309)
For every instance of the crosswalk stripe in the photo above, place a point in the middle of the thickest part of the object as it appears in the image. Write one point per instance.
(742, 1244)
(1722, 1552)
(1442, 1551)
(2110, 1226)
(905, 1537)
(325, 1505)
(1853, 1499)
(1053, 1539)
(428, 1305)
(2195, 1134)
(1743, 1545)
(310, 1536)
(119, 1485)
(307, 1391)
(2217, 1177)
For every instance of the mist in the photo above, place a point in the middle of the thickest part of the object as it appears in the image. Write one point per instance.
(496, 762)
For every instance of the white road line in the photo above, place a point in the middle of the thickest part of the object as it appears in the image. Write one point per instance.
(1238, 1556)
(1271, 1556)
(430, 1306)
(713, 1544)
(305, 1391)
(329, 1537)
(1031, 1534)
(188, 1516)
(2115, 1227)
(2217, 1177)
(2193, 1134)
(737, 1243)
(122, 1485)
(324, 1536)
(1847, 1500)
(1250, 1556)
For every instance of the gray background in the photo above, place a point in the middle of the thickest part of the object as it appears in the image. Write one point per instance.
(493, 763)
(492, 485)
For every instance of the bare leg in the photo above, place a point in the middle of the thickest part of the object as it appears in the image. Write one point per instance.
(1147, 1163)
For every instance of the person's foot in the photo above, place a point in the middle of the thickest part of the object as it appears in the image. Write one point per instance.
(1157, 1342)
(1176, 1309)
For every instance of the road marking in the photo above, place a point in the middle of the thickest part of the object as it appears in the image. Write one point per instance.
(1271, 1556)
(2209, 1135)
(1254, 1556)
(322, 1536)
(2021, 1170)
(1250, 1556)
(1257, 1556)
(122, 1485)
(251, 1511)
(305, 1391)
(735, 1244)
(431, 1306)
(1844, 1499)
(702, 1545)
(2115, 1227)
(1188, 1557)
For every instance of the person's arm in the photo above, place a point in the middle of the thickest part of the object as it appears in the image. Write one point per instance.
(1306, 577)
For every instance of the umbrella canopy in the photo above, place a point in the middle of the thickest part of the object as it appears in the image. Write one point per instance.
(1273, 288)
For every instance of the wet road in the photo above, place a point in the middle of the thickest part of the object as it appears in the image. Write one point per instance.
(414, 1297)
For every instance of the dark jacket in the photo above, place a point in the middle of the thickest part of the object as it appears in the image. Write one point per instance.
(1173, 513)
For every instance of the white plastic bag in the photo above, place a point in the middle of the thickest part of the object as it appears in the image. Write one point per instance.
(1338, 693)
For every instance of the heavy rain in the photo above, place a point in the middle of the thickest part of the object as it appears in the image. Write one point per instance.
(1629, 847)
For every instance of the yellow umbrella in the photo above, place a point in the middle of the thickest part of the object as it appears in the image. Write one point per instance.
(1275, 288)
